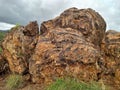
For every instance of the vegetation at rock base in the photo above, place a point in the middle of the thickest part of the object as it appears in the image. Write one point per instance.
(0, 49)
(75, 43)
(14, 81)
(17, 25)
(72, 84)
(2, 34)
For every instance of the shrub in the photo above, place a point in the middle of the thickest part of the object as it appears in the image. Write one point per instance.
(2, 34)
(17, 25)
(0, 49)
(13, 81)
(72, 84)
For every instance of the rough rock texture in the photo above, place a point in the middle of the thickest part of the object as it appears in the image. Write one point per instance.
(87, 21)
(4, 67)
(73, 44)
(18, 45)
(112, 57)
(69, 45)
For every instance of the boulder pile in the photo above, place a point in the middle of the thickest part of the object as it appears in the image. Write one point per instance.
(73, 44)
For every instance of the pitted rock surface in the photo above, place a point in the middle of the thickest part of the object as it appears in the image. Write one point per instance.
(69, 45)
(73, 44)
(86, 21)
(18, 45)
(112, 58)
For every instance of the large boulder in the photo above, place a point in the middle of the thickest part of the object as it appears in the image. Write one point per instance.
(73, 44)
(86, 21)
(112, 58)
(18, 45)
(69, 45)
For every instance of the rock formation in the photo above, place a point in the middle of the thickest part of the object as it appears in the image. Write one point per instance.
(4, 67)
(69, 45)
(73, 44)
(18, 45)
(112, 57)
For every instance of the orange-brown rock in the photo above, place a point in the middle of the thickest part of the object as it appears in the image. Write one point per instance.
(4, 67)
(87, 21)
(73, 44)
(18, 45)
(112, 57)
(69, 45)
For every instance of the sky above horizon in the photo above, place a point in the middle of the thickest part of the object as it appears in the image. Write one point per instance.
(22, 11)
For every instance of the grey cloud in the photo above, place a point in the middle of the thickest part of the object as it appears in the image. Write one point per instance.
(11, 11)
(23, 11)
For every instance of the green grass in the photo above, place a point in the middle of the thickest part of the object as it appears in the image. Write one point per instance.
(0, 49)
(14, 81)
(16, 26)
(2, 34)
(72, 84)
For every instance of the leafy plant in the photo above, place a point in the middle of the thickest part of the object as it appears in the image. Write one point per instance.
(14, 81)
(72, 84)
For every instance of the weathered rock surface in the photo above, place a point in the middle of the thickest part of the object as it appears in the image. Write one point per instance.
(4, 67)
(69, 45)
(73, 44)
(18, 46)
(87, 21)
(112, 57)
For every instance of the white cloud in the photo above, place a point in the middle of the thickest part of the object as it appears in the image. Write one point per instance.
(5, 26)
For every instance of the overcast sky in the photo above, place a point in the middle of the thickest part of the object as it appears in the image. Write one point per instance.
(22, 11)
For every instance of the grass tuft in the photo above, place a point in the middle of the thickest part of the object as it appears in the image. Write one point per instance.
(14, 81)
(2, 35)
(0, 50)
(72, 84)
